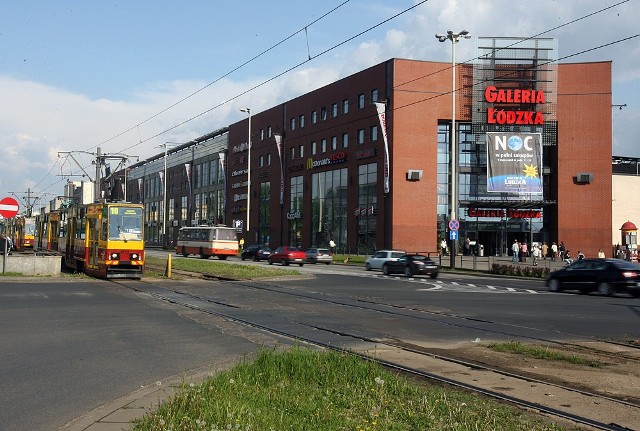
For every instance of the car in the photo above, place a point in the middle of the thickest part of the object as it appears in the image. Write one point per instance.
(287, 255)
(410, 265)
(606, 276)
(319, 255)
(257, 252)
(380, 257)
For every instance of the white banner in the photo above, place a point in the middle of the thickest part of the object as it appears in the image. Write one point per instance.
(383, 126)
(278, 139)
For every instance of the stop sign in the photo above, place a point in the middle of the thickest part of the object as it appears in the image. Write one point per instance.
(8, 207)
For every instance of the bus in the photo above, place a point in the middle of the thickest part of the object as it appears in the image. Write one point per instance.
(205, 241)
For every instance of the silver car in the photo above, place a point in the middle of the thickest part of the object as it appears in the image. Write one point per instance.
(380, 257)
(319, 255)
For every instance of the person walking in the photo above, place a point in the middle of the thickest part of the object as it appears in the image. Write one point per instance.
(562, 249)
(545, 250)
(524, 251)
(554, 251)
(516, 249)
(536, 254)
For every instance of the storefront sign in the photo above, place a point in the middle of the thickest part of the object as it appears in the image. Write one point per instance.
(339, 157)
(294, 215)
(365, 211)
(508, 97)
(500, 213)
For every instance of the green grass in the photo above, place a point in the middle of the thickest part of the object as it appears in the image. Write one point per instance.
(299, 389)
(217, 268)
(542, 352)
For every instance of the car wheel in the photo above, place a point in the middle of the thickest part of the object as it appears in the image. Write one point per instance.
(605, 289)
(256, 258)
(301, 264)
(203, 255)
(554, 285)
(285, 262)
(367, 267)
(434, 275)
(407, 271)
(385, 269)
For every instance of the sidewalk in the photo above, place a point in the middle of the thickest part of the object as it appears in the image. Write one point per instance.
(484, 263)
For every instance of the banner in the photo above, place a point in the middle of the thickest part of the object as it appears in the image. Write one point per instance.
(161, 175)
(514, 163)
(140, 182)
(187, 168)
(278, 139)
(383, 126)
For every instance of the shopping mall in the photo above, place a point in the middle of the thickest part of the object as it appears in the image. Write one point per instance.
(366, 162)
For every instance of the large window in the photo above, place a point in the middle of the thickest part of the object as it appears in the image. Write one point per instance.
(294, 216)
(264, 204)
(329, 208)
(367, 207)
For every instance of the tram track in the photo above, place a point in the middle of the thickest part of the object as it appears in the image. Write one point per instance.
(408, 358)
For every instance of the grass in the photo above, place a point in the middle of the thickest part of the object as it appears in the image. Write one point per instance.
(299, 389)
(542, 352)
(217, 268)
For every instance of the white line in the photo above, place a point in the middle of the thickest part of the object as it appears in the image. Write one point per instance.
(471, 285)
(532, 291)
(492, 287)
(511, 289)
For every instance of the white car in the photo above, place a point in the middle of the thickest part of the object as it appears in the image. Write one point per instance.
(380, 257)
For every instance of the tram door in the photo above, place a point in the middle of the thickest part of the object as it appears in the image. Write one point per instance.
(94, 236)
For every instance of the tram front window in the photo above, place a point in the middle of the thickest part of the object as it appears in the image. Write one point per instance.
(125, 223)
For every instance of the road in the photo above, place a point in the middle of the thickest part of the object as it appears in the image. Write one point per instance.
(71, 345)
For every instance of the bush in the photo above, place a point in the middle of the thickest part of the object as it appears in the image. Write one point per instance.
(519, 271)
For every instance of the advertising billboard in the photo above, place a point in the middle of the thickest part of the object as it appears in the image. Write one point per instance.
(514, 163)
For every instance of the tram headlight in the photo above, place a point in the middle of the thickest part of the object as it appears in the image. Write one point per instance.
(114, 256)
(135, 256)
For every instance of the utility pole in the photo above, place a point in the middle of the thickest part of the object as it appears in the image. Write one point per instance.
(28, 200)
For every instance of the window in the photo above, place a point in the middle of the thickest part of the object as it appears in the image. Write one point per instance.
(345, 140)
(345, 106)
(334, 143)
(334, 110)
(262, 134)
(301, 151)
(360, 136)
(301, 121)
(261, 161)
(314, 117)
(268, 159)
(374, 133)
(323, 114)
(374, 95)
(292, 153)
(360, 101)
(292, 125)
(314, 148)
(323, 146)
(269, 132)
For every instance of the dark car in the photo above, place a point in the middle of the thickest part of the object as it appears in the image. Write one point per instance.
(287, 255)
(606, 276)
(410, 265)
(257, 252)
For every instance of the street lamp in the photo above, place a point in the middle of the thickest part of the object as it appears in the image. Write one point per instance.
(164, 194)
(454, 38)
(248, 112)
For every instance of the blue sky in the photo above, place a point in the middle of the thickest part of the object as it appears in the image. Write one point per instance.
(75, 75)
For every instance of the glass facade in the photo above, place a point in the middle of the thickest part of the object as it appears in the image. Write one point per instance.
(264, 203)
(367, 207)
(294, 216)
(329, 208)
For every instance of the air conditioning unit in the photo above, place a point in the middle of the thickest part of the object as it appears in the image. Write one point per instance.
(584, 177)
(414, 175)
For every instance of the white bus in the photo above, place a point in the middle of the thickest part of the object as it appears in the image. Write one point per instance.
(220, 241)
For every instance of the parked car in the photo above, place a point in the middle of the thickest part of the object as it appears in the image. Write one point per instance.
(380, 257)
(411, 264)
(606, 276)
(319, 255)
(287, 255)
(256, 252)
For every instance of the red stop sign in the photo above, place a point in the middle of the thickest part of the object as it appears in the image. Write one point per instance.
(8, 207)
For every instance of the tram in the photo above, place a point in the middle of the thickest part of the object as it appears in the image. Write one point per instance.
(219, 240)
(21, 229)
(101, 239)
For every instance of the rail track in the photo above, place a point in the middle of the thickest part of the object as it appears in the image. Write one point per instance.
(413, 359)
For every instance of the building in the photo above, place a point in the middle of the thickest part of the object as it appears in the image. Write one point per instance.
(322, 172)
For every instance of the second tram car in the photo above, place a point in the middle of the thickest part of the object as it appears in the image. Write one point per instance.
(22, 231)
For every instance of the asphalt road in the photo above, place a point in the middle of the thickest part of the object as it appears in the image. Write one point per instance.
(72, 345)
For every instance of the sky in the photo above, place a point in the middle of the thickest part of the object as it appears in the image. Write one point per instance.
(130, 75)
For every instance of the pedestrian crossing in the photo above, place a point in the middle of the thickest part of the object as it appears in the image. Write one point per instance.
(431, 285)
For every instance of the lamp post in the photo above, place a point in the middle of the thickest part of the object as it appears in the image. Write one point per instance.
(164, 194)
(248, 112)
(454, 38)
